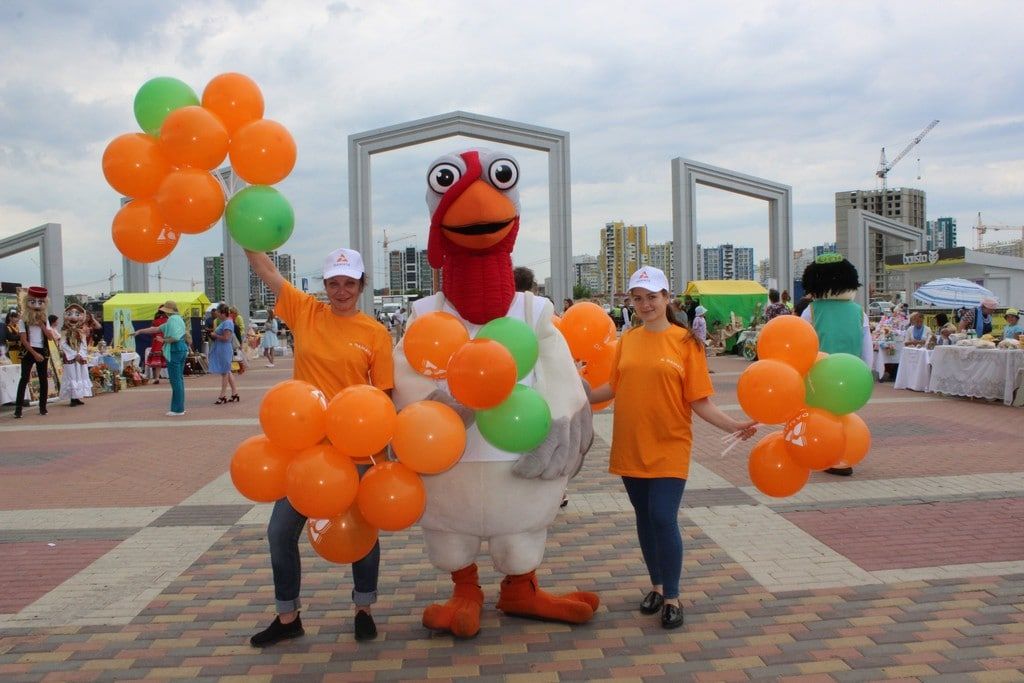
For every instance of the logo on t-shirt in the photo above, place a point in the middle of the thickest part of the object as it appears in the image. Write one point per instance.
(672, 362)
(365, 349)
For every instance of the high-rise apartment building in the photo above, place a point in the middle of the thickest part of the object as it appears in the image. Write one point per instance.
(764, 271)
(805, 257)
(662, 257)
(587, 274)
(901, 204)
(213, 277)
(623, 251)
(260, 295)
(940, 233)
(409, 271)
(727, 262)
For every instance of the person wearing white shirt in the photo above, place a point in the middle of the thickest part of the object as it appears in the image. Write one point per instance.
(35, 334)
(917, 333)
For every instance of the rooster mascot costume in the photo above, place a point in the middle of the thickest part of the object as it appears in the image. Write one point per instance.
(507, 499)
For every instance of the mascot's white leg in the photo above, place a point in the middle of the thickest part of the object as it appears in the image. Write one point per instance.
(449, 551)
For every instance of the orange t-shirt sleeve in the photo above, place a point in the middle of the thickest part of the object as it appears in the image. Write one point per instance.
(697, 381)
(382, 366)
(292, 306)
(614, 378)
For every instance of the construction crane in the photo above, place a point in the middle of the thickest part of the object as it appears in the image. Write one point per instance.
(884, 167)
(980, 229)
(390, 240)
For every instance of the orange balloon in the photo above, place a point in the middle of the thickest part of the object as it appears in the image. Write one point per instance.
(293, 415)
(235, 99)
(391, 496)
(431, 341)
(858, 439)
(258, 469)
(194, 137)
(586, 328)
(360, 420)
(481, 374)
(321, 482)
(139, 232)
(814, 438)
(134, 165)
(790, 339)
(773, 471)
(770, 391)
(262, 152)
(191, 200)
(598, 371)
(429, 437)
(344, 539)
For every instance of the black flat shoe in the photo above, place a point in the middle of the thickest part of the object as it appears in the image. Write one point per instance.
(277, 632)
(840, 471)
(671, 616)
(652, 603)
(365, 628)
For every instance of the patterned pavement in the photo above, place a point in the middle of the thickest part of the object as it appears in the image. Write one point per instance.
(125, 554)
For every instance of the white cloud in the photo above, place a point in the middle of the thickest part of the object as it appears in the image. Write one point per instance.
(804, 93)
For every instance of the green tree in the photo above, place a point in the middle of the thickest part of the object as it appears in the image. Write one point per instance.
(580, 292)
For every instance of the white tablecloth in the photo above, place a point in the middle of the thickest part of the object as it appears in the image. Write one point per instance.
(882, 357)
(979, 373)
(915, 369)
(9, 376)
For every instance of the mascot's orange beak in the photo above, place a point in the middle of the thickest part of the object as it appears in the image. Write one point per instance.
(480, 218)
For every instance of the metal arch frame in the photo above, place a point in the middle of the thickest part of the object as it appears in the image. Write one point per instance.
(687, 174)
(51, 266)
(859, 225)
(361, 146)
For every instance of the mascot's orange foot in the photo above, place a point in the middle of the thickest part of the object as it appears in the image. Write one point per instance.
(461, 614)
(521, 597)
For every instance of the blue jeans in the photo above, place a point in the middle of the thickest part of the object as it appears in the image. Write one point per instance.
(176, 373)
(656, 503)
(283, 532)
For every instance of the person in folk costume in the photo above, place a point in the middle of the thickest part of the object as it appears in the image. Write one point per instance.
(155, 361)
(841, 323)
(509, 499)
(35, 334)
(74, 350)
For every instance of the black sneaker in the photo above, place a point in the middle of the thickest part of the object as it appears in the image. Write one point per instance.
(277, 632)
(652, 603)
(840, 471)
(365, 628)
(671, 616)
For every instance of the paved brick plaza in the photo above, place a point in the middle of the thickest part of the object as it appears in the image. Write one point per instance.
(126, 554)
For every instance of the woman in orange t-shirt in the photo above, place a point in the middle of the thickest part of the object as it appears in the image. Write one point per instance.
(660, 377)
(336, 346)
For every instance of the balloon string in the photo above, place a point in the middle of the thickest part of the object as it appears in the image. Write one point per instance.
(372, 461)
(734, 438)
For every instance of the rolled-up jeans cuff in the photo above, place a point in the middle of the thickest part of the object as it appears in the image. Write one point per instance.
(364, 599)
(285, 606)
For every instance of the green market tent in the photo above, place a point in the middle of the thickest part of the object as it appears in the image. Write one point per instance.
(744, 298)
(129, 311)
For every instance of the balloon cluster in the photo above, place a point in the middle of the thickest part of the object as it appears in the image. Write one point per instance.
(309, 450)
(166, 171)
(590, 334)
(814, 395)
(483, 374)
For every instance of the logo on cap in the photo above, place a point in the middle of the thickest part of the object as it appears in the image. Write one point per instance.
(643, 275)
(342, 259)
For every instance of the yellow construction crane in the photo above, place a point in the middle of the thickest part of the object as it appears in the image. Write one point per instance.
(980, 229)
(884, 167)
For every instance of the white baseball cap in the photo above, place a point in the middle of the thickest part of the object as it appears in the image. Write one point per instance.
(650, 278)
(343, 262)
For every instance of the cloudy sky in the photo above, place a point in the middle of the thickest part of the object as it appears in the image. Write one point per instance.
(803, 93)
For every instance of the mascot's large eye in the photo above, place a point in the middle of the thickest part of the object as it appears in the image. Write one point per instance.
(503, 174)
(443, 176)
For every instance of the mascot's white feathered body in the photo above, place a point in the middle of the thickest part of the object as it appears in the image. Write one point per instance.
(509, 499)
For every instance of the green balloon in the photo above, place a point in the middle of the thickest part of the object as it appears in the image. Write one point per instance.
(157, 98)
(260, 218)
(840, 383)
(517, 337)
(518, 425)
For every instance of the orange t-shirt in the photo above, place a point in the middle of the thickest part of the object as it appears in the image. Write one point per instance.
(655, 378)
(332, 351)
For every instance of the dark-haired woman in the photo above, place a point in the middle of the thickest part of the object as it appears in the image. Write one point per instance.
(659, 379)
(222, 354)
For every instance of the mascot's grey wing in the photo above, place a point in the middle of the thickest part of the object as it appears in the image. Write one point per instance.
(572, 428)
(410, 386)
